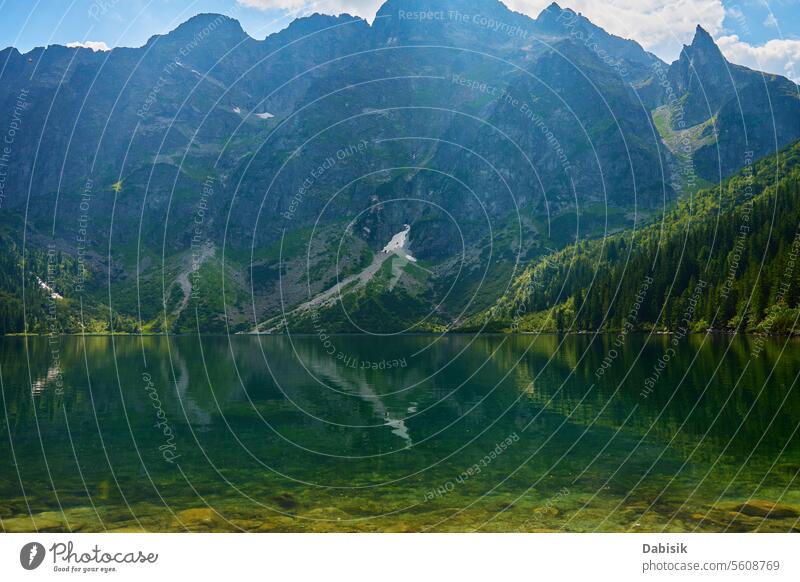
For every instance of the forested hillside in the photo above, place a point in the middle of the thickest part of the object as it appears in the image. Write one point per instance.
(725, 258)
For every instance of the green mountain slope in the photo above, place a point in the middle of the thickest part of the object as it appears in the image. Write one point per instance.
(726, 258)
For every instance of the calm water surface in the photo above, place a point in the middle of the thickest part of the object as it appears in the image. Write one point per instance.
(411, 433)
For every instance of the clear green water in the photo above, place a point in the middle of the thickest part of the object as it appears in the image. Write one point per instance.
(489, 433)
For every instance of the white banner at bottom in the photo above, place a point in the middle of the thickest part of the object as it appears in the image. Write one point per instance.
(400, 557)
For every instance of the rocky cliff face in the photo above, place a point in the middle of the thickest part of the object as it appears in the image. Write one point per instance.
(748, 113)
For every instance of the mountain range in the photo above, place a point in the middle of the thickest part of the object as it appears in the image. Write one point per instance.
(208, 181)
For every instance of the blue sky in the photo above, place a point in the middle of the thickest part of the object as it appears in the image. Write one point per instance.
(763, 34)
(30, 23)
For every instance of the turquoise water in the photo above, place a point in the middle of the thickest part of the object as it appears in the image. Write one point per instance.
(406, 433)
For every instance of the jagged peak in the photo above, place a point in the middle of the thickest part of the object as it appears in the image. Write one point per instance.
(702, 40)
(555, 19)
(210, 19)
(702, 49)
(554, 10)
(318, 18)
(701, 33)
(206, 24)
(701, 36)
(312, 23)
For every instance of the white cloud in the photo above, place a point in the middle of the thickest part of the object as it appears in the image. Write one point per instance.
(365, 8)
(781, 56)
(95, 45)
(660, 27)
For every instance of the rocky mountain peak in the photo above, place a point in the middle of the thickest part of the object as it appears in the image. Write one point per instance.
(553, 17)
(209, 23)
(703, 49)
(315, 22)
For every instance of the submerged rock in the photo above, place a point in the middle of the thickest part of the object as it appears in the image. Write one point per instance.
(761, 508)
(547, 511)
(32, 524)
(204, 517)
(284, 501)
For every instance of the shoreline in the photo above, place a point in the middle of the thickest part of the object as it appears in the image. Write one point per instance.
(715, 332)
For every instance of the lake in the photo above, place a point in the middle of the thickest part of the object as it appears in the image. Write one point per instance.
(404, 433)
